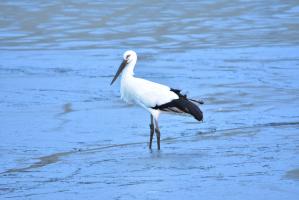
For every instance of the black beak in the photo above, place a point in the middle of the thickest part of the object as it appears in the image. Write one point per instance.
(120, 69)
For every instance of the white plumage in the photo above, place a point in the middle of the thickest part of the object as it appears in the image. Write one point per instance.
(146, 93)
(154, 97)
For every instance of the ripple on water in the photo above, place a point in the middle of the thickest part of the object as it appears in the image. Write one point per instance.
(66, 134)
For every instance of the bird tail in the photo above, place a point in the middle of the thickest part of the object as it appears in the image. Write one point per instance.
(187, 106)
(182, 105)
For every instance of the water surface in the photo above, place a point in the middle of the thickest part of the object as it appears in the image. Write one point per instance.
(65, 134)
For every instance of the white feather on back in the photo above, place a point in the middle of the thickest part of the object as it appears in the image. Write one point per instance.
(145, 93)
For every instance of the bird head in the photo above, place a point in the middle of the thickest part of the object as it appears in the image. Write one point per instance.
(128, 57)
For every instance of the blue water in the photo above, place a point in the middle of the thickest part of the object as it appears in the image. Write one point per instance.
(65, 133)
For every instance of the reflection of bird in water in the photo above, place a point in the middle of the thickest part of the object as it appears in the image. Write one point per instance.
(154, 97)
(67, 108)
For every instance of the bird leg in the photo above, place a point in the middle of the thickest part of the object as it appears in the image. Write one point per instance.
(152, 127)
(157, 130)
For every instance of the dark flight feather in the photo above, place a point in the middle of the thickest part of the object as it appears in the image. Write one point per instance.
(182, 105)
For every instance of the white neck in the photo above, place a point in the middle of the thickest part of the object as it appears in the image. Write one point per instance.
(129, 70)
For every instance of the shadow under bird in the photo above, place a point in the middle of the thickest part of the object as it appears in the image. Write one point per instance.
(154, 97)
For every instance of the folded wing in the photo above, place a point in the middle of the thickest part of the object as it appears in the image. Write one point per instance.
(161, 97)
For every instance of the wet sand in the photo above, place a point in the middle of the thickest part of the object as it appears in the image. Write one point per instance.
(65, 134)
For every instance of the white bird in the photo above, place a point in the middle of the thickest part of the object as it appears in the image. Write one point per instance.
(153, 97)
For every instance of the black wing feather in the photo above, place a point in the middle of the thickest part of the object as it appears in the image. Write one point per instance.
(181, 105)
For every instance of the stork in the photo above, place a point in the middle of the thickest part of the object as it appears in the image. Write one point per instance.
(153, 97)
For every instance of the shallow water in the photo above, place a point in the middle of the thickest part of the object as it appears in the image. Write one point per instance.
(66, 134)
